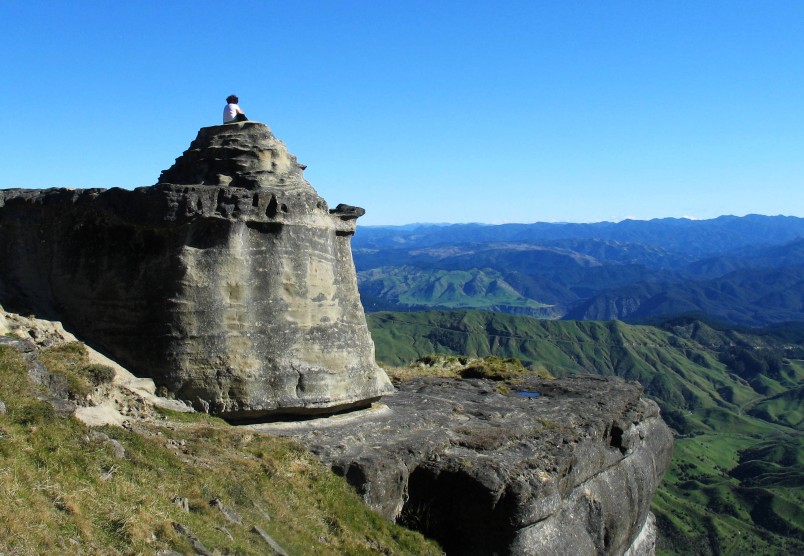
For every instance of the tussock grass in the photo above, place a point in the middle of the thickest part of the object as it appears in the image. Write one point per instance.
(66, 491)
(507, 369)
(71, 361)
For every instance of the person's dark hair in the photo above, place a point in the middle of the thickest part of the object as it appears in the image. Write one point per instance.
(232, 99)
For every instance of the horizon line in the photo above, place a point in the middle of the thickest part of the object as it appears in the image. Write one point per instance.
(568, 222)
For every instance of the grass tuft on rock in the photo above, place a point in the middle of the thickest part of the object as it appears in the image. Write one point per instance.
(98, 374)
(495, 368)
(507, 369)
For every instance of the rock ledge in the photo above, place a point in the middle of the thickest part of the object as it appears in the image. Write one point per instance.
(487, 471)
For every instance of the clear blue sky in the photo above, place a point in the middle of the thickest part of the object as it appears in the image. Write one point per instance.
(426, 111)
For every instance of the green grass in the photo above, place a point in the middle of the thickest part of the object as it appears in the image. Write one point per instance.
(673, 369)
(64, 489)
(69, 361)
(785, 408)
(702, 508)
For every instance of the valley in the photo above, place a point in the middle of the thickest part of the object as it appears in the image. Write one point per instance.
(746, 271)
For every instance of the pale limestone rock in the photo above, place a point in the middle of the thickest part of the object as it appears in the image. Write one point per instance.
(4, 327)
(240, 298)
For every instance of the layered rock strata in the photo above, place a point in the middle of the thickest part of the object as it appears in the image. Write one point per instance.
(484, 470)
(230, 282)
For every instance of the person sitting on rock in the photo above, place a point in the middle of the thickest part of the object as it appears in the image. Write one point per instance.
(232, 112)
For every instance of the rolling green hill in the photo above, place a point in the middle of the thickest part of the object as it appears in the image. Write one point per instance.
(786, 408)
(553, 275)
(731, 396)
(413, 289)
(753, 297)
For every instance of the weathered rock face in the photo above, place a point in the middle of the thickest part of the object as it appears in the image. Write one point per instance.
(572, 471)
(229, 282)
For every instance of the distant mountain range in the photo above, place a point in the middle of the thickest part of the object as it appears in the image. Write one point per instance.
(744, 270)
(699, 237)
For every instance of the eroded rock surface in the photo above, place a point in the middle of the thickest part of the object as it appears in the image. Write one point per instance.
(484, 470)
(230, 282)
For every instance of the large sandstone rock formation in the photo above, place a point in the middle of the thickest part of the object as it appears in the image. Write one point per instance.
(484, 470)
(229, 282)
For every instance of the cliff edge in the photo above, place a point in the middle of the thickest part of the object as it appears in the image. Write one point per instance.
(556, 467)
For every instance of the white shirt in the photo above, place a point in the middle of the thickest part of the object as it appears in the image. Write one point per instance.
(229, 112)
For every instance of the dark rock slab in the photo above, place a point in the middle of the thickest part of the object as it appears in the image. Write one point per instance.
(273, 546)
(484, 470)
(196, 543)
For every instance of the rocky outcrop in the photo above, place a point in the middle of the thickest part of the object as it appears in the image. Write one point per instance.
(557, 467)
(229, 282)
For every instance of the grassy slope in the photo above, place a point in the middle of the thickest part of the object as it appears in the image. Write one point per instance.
(752, 297)
(448, 289)
(701, 507)
(64, 490)
(785, 408)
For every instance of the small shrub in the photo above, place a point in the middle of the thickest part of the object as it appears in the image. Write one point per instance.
(436, 360)
(495, 368)
(163, 392)
(99, 374)
(65, 363)
(71, 362)
(428, 360)
(449, 366)
(548, 424)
